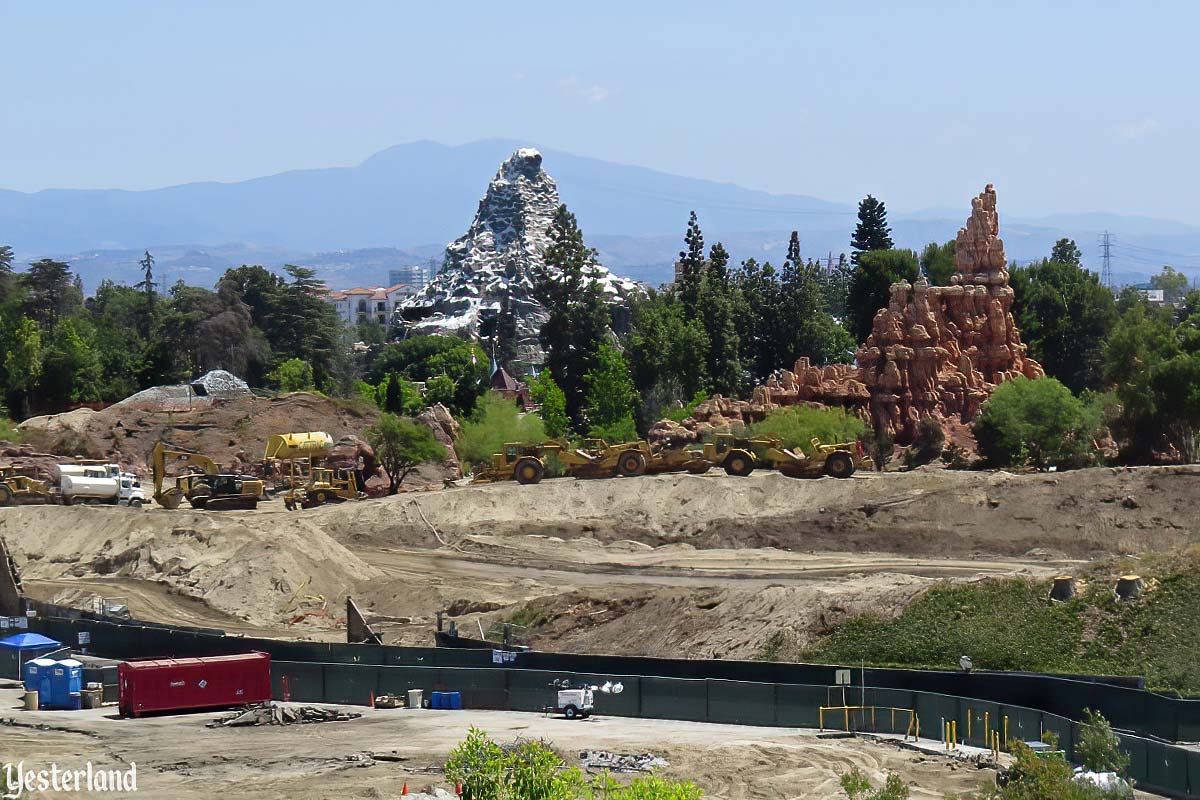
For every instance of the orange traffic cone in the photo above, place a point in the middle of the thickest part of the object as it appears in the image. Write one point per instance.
(404, 789)
(371, 700)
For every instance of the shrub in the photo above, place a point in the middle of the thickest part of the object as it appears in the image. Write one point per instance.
(797, 425)
(496, 420)
(927, 443)
(856, 787)
(1036, 422)
(531, 770)
(293, 375)
(1098, 747)
(680, 414)
(553, 402)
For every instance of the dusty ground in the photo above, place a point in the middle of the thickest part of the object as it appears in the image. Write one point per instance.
(730, 562)
(178, 757)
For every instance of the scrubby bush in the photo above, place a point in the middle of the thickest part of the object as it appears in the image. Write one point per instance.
(856, 786)
(293, 375)
(531, 770)
(927, 443)
(1098, 747)
(1037, 423)
(496, 420)
(797, 425)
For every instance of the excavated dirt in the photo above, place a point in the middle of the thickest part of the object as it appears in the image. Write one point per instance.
(733, 564)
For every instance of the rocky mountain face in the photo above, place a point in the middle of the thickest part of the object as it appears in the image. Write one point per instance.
(496, 262)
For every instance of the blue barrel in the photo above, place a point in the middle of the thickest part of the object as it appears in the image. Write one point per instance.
(437, 700)
(456, 701)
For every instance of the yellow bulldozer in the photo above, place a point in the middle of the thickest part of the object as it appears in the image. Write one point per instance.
(741, 456)
(207, 488)
(323, 484)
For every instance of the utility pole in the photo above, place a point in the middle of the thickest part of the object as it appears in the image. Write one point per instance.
(1106, 259)
(829, 263)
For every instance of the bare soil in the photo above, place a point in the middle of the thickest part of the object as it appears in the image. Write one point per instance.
(710, 565)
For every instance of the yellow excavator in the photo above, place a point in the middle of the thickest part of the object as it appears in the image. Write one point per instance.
(324, 485)
(208, 489)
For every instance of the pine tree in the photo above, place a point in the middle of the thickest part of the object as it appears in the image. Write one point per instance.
(872, 231)
(691, 268)
(717, 304)
(610, 397)
(146, 285)
(1065, 251)
(579, 319)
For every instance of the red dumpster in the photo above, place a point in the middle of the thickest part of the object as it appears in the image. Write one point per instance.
(177, 684)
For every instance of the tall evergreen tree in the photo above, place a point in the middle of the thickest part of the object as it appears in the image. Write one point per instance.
(871, 284)
(146, 285)
(872, 231)
(1065, 251)
(52, 292)
(717, 308)
(691, 268)
(579, 318)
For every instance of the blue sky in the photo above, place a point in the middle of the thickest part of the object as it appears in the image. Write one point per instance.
(1065, 106)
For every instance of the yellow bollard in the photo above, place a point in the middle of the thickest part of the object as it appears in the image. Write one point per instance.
(1004, 741)
(968, 724)
(987, 722)
(821, 717)
(954, 732)
(847, 710)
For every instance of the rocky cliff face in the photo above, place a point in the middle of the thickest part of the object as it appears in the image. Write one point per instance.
(496, 260)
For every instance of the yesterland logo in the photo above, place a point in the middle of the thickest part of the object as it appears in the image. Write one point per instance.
(21, 782)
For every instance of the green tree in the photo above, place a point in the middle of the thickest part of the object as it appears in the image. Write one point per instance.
(871, 283)
(937, 262)
(401, 446)
(1036, 422)
(1173, 284)
(553, 411)
(23, 363)
(307, 326)
(872, 231)
(578, 316)
(440, 389)
(1065, 316)
(70, 370)
(423, 358)
(393, 394)
(1065, 251)
(667, 356)
(1098, 748)
(293, 375)
(690, 268)
(51, 292)
(610, 395)
(6, 276)
(717, 307)
(146, 285)
(760, 318)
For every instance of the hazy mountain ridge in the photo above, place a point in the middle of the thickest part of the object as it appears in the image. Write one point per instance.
(403, 205)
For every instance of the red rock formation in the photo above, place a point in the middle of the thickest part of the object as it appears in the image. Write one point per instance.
(933, 351)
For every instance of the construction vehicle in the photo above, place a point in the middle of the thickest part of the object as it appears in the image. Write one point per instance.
(324, 484)
(100, 484)
(19, 489)
(209, 488)
(594, 458)
(741, 456)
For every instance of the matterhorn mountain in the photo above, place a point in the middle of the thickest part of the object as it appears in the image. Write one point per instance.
(497, 260)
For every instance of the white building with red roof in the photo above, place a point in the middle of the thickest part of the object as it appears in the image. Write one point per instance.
(360, 306)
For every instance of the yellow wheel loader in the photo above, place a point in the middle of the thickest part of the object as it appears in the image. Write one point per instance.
(17, 489)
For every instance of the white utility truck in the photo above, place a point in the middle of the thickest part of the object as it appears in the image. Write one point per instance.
(99, 483)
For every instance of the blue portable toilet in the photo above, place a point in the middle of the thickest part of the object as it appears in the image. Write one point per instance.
(66, 685)
(39, 677)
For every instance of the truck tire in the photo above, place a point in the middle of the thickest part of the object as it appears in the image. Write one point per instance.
(528, 470)
(6, 496)
(67, 500)
(631, 464)
(839, 465)
(739, 463)
(698, 467)
(135, 503)
(570, 712)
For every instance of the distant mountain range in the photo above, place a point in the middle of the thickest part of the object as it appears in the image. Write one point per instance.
(402, 206)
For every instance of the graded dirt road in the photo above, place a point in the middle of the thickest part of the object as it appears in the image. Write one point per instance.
(667, 565)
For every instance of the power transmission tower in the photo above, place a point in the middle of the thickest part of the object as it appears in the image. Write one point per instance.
(1106, 259)
(829, 264)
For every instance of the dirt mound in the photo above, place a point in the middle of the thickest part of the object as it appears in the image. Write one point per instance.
(258, 567)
